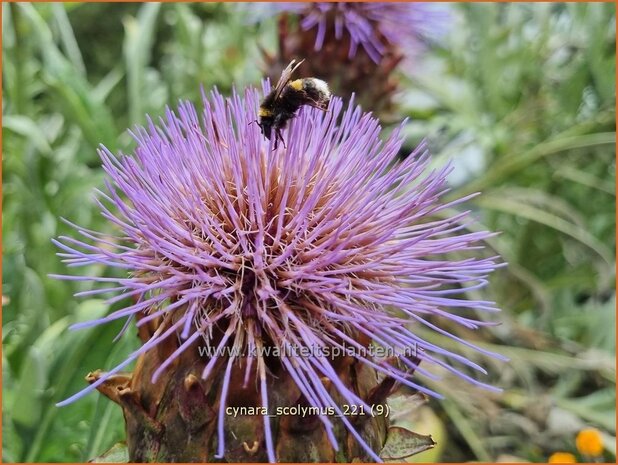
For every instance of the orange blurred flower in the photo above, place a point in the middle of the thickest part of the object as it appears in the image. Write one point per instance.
(561, 457)
(589, 442)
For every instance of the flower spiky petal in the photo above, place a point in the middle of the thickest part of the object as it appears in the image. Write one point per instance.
(322, 246)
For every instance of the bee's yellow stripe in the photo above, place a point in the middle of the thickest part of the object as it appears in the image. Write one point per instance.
(297, 84)
(265, 112)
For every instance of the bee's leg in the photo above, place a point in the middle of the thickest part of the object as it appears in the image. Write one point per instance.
(317, 105)
(279, 137)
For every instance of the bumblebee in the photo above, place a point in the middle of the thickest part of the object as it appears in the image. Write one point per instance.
(282, 103)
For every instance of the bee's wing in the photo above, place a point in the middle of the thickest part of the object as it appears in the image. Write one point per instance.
(286, 76)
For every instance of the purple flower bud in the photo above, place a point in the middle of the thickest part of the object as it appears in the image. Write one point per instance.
(371, 25)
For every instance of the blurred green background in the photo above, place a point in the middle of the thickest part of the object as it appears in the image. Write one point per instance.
(520, 96)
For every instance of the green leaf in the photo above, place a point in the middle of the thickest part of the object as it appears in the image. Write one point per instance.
(108, 83)
(509, 165)
(69, 354)
(598, 408)
(119, 453)
(27, 128)
(402, 443)
(108, 415)
(27, 405)
(106, 412)
(70, 86)
(514, 207)
(586, 179)
(68, 38)
(467, 430)
(137, 52)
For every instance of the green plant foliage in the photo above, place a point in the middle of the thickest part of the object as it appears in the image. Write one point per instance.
(520, 96)
(524, 103)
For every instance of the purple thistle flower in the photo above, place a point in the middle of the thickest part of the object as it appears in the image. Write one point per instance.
(309, 246)
(370, 25)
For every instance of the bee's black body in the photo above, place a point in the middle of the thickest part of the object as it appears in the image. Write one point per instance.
(282, 103)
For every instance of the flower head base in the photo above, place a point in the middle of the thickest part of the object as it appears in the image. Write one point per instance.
(325, 244)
